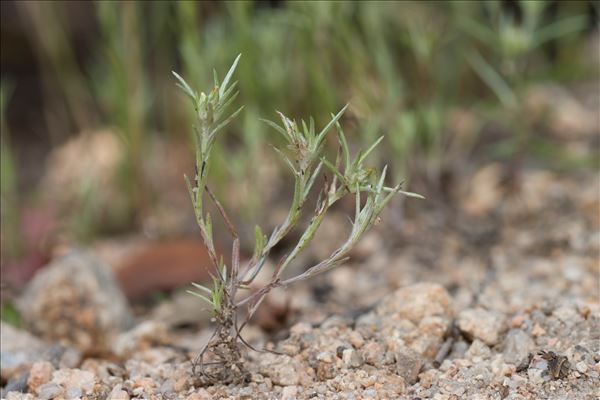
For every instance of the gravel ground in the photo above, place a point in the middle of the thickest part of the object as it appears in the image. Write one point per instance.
(497, 299)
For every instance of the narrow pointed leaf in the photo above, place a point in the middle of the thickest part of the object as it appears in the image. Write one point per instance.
(225, 105)
(259, 242)
(277, 128)
(412, 194)
(385, 201)
(208, 226)
(312, 178)
(344, 142)
(369, 150)
(228, 92)
(286, 159)
(333, 169)
(228, 76)
(206, 299)
(227, 121)
(357, 205)
(202, 288)
(323, 132)
(184, 86)
(215, 77)
(381, 179)
(190, 188)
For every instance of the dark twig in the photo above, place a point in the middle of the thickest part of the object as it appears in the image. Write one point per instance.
(443, 352)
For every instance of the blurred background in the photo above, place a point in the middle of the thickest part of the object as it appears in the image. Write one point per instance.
(96, 137)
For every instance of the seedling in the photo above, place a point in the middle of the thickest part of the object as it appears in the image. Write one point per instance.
(305, 159)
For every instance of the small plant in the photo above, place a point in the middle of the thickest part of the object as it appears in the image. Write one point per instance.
(306, 161)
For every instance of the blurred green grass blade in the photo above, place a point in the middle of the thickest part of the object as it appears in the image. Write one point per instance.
(479, 31)
(559, 29)
(493, 79)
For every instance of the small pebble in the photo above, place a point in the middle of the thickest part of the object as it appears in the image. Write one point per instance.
(48, 391)
(482, 324)
(289, 393)
(581, 367)
(40, 373)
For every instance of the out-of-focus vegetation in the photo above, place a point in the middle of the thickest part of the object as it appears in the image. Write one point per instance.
(9, 215)
(408, 70)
